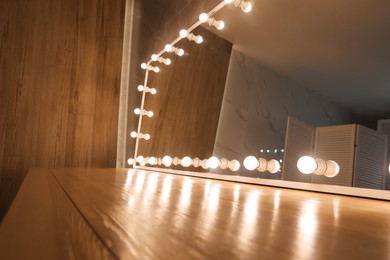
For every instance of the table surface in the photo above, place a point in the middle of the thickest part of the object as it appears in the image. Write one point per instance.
(136, 214)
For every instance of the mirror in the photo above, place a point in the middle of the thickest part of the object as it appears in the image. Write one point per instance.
(325, 64)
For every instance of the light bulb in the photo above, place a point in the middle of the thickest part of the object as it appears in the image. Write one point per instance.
(154, 57)
(133, 134)
(152, 161)
(183, 33)
(204, 164)
(130, 161)
(167, 160)
(153, 91)
(199, 39)
(140, 88)
(224, 164)
(196, 162)
(180, 52)
(203, 17)
(149, 113)
(144, 66)
(220, 25)
(306, 164)
(186, 161)
(140, 159)
(156, 69)
(137, 111)
(251, 163)
(234, 165)
(168, 48)
(167, 61)
(147, 136)
(228, 1)
(273, 166)
(213, 162)
(332, 169)
(246, 6)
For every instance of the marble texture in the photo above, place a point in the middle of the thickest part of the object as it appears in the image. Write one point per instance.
(256, 104)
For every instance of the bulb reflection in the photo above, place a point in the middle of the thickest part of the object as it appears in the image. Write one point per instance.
(307, 229)
(166, 190)
(140, 182)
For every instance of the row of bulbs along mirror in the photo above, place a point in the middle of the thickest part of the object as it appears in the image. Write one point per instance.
(305, 164)
(185, 34)
(203, 18)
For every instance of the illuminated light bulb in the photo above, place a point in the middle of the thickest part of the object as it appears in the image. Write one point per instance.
(219, 25)
(196, 162)
(180, 52)
(306, 164)
(168, 48)
(224, 164)
(144, 66)
(246, 6)
(137, 111)
(167, 161)
(199, 39)
(262, 165)
(152, 160)
(203, 17)
(146, 136)
(167, 61)
(130, 161)
(183, 33)
(213, 162)
(228, 1)
(140, 159)
(156, 69)
(133, 134)
(153, 91)
(186, 161)
(234, 165)
(251, 163)
(273, 166)
(150, 68)
(149, 113)
(332, 169)
(204, 164)
(154, 57)
(140, 88)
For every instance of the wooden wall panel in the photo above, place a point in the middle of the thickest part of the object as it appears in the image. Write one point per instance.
(59, 86)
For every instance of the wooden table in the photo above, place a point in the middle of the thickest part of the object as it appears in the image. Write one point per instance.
(133, 214)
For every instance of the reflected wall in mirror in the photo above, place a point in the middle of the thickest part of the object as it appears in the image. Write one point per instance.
(325, 69)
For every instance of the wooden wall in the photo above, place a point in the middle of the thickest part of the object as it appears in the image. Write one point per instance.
(59, 86)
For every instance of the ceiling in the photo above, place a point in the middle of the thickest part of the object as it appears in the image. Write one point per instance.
(340, 49)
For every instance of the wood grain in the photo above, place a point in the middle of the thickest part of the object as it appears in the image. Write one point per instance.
(151, 215)
(43, 224)
(59, 86)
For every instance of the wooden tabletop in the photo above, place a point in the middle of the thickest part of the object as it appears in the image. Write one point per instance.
(134, 214)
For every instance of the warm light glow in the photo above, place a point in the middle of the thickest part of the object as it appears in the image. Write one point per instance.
(204, 164)
(186, 161)
(130, 161)
(219, 25)
(199, 39)
(140, 158)
(167, 160)
(213, 163)
(180, 52)
(153, 91)
(137, 111)
(203, 17)
(154, 57)
(224, 164)
(183, 33)
(246, 6)
(332, 169)
(140, 88)
(133, 134)
(152, 161)
(251, 163)
(234, 165)
(147, 136)
(228, 1)
(273, 166)
(306, 164)
(144, 66)
(168, 48)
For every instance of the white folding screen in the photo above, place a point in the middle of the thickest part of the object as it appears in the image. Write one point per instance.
(371, 158)
(336, 143)
(299, 142)
(384, 127)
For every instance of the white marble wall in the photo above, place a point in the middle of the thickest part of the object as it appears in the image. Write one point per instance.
(256, 104)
